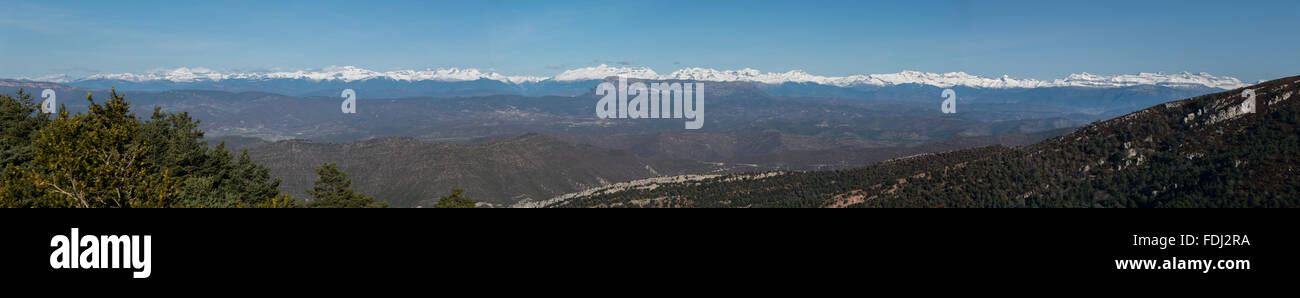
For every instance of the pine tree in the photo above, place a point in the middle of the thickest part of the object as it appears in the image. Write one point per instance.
(334, 190)
(455, 200)
(109, 158)
(20, 121)
(95, 160)
(206, 177)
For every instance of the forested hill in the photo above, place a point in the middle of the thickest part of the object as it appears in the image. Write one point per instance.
(1215, 150)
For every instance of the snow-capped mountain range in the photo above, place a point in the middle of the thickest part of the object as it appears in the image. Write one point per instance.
(944, 80)
(332, 73)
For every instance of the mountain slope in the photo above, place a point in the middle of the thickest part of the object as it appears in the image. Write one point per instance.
(777, 150)
(1207, 151)
(410, 173)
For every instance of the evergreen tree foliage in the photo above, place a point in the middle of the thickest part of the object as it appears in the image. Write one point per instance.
(110, 158)
(20, 119)
(96, 160)
(455, 200)
(334, 190)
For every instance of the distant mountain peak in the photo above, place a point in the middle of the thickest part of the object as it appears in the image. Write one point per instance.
(602, 71)
(54, 78)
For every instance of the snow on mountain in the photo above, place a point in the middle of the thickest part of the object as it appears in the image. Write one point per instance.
(1181, 79)
(748, 74)
(944, 80)
(54, 78)
(180, 75)
(603, 71)
(341, 73)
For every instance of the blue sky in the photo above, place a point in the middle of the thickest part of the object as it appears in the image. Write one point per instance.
(1250, 40)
